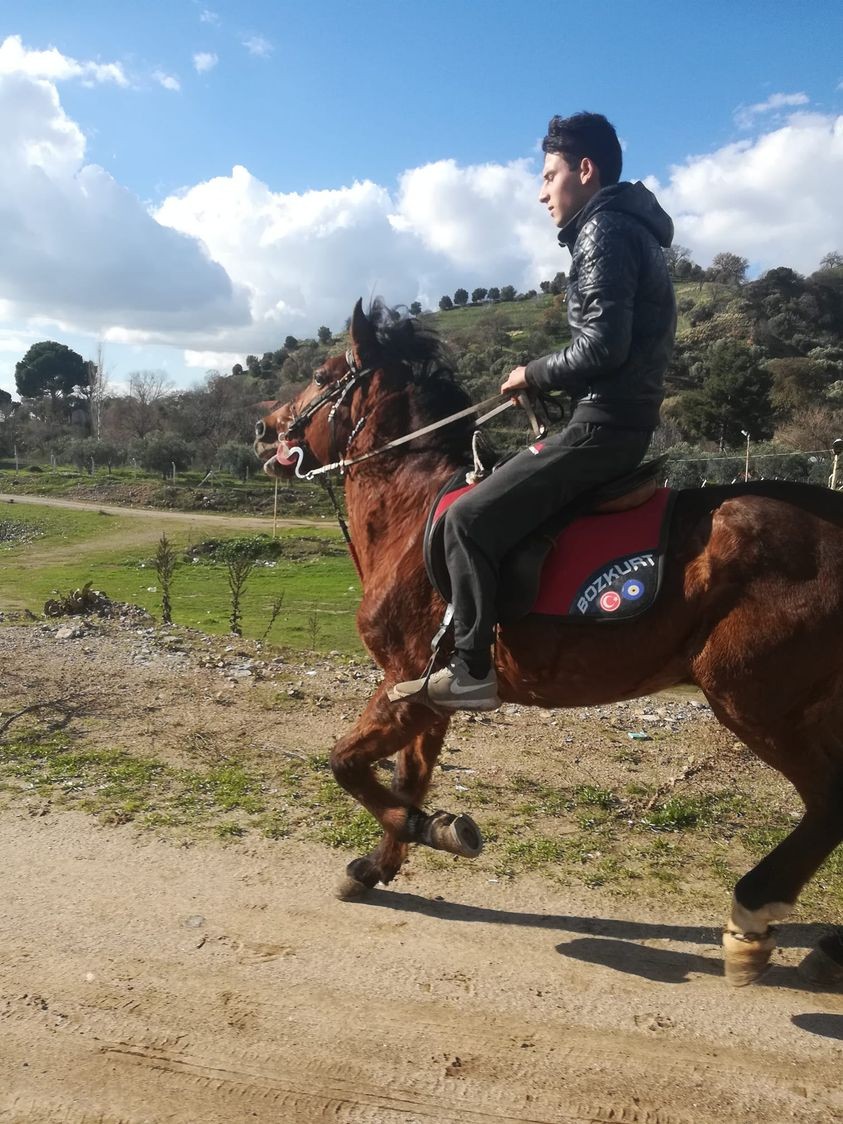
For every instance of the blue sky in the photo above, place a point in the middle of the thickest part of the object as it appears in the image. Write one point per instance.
(434, 111)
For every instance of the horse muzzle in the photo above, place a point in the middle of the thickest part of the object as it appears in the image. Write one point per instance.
(278, 458)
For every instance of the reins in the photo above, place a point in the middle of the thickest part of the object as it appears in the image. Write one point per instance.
(488, 408)
(343, 463)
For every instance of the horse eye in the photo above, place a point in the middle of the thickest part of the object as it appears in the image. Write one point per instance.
(321, 378)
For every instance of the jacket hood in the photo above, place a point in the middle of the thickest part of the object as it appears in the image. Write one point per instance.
(630, 199)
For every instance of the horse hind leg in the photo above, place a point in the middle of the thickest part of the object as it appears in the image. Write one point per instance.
(768, 893)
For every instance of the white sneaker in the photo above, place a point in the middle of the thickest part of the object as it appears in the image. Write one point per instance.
(453, 688)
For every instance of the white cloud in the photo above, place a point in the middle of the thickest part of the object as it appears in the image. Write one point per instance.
(775, 200)
(204, 61)
(306, 258)
(82, 252)
(53, 65)
(258, 46)
(229, 266)
(167, 81)
(207, 16)
(745, 115)
(484, 219)
(212, 360)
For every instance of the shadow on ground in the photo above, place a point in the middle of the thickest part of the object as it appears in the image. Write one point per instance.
(611, 942)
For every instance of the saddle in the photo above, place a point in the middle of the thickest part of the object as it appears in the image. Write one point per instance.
(599, 556)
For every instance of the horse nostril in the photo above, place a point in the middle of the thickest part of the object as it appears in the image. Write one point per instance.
(260, 430)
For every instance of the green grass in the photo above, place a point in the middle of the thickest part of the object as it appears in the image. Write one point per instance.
(511, 316)
(690, 848)
(56, 526)
(314, 574)
(685, 812)
(225, 493)
(228, 800)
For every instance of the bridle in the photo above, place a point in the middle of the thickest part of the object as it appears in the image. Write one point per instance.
(335, 395)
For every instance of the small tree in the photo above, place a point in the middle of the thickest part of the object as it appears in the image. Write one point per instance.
(290, 343)
(415, 308)
(478, 295)
(238, 459)
(324, 336)
(239, 566)
(494, 293)
(735, 397)
(445, 303)
(88, 450)
(461, 297)
(559, 284)
(160, 451)
(677, 258)
(508, 293)
(165, 566)
(728, 269)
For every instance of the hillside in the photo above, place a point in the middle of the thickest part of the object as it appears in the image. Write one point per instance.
(757, 370)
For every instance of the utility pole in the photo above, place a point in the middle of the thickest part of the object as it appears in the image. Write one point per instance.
(746, 466)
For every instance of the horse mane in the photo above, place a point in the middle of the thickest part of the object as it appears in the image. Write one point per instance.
(407, 342)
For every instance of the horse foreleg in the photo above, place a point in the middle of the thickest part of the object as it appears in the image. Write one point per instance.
(383, 730)
(410, 781)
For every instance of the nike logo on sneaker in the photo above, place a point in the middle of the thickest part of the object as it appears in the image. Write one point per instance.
(456, 689)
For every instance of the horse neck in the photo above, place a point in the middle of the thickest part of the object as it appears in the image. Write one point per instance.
(389, 496)
(388, 507)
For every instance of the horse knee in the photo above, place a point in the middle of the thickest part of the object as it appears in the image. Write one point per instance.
(345, 770)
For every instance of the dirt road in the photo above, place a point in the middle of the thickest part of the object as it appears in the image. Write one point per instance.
(229, 522)
(146, 977)
(141, 981)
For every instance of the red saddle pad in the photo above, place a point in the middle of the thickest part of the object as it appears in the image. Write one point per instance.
(600, 566)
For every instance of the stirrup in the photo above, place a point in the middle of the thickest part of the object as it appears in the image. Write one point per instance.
(421, 695)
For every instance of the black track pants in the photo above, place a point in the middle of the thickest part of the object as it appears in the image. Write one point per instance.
(487, 522)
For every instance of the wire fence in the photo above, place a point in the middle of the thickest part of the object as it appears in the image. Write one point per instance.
(686, 467)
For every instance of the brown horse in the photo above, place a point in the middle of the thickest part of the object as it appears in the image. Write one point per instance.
(750, 610)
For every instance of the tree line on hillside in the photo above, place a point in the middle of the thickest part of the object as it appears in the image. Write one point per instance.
(763, 358)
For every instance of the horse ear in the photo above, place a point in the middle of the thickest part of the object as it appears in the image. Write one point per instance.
(363, 338)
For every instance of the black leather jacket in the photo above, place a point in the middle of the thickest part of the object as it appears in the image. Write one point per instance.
(621, 311)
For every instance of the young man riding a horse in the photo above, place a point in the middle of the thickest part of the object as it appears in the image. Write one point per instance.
(622, 316)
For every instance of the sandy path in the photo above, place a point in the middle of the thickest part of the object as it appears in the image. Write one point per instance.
(188, 518)
(142, 981)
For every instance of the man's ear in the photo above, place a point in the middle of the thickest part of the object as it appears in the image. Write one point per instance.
(363, 338)
(589, 173)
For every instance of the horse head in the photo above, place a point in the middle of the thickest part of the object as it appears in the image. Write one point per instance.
(396, 376)
(312, 421)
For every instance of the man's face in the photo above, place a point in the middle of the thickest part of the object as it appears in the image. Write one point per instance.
(565, 192)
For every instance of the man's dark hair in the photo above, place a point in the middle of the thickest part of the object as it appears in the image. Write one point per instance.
(586, 134)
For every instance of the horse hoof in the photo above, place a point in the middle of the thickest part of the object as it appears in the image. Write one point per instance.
(349, 889)
(746, 958)
(459, 835)
(361, 876)
(820, 970)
